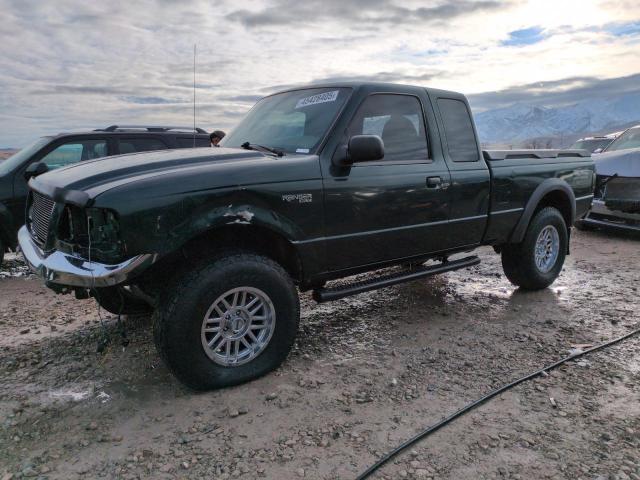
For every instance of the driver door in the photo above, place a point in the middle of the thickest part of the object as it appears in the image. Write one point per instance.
(392, 208)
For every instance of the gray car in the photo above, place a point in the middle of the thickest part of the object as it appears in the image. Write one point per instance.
(616, 202)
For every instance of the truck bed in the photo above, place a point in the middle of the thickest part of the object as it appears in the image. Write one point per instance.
(515, 176)
(495, 155)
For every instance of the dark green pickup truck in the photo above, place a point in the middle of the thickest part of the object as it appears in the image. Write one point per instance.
(314, 184)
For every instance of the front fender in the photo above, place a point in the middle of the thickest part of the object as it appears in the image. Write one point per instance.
(244, 214)
(547, 186)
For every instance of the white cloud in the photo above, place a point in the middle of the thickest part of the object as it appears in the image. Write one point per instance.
(71, 64)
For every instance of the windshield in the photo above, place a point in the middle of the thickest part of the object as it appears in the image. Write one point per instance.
(18, 158)
(294, 122)
(592, 144)
(629, 139)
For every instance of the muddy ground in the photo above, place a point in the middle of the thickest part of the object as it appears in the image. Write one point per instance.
(366, 373)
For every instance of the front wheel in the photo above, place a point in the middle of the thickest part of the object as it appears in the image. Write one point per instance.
(535, 263)
(228, 322)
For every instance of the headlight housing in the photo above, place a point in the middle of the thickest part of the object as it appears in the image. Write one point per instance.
(91, 233)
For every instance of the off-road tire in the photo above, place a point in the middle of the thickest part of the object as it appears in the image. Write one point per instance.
(518, 260)
(178, 320)
(119, 301)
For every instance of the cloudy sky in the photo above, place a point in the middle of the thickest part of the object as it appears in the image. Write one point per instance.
(70, 64)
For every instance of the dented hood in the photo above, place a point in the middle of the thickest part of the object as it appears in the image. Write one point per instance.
(626, 163)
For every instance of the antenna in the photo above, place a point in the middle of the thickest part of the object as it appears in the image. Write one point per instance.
(194, 95)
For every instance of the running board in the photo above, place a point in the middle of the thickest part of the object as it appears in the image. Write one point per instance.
(327, 294)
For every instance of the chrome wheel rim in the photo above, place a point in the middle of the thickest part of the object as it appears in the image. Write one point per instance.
(547, 248)
(238, 326)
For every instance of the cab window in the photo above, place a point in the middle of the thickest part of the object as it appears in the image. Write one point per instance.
(458, 130)
(74, 152)
(398, 121)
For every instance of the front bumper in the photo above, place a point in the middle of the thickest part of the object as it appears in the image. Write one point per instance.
(67, 270)
(601, 216)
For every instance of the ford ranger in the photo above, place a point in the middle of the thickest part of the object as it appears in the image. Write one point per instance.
(315, 184)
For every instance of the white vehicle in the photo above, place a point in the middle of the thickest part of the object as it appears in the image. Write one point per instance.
(616, 203)
(595, 144)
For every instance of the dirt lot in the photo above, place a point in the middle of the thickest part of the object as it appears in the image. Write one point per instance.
(366, 373)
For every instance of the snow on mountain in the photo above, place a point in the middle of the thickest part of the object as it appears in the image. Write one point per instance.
(520, 121)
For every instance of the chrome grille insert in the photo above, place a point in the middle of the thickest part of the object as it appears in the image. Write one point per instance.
(40, 217)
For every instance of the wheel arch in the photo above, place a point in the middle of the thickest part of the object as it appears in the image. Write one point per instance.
(552, 192)
(259, 239)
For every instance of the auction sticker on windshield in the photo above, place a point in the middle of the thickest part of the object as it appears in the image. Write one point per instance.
(319, 98)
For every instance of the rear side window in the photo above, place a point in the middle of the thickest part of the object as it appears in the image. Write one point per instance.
(398, 120)
(133, 145)
(187, 142)
(461, 141)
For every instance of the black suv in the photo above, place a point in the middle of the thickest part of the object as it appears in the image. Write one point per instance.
(67, 148)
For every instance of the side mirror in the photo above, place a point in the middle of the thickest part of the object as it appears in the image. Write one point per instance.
(597, 150)
(35, 169)
(365, 148)
(361, 148)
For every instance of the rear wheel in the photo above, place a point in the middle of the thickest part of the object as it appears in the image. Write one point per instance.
(228, 322)
(120, 301)
(535, 263)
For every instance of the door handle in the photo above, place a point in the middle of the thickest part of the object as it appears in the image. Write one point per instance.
(434, 182)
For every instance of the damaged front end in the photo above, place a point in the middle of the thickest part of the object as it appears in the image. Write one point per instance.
(623, 194)
(616, 203)
(91, 233)
(75, 247)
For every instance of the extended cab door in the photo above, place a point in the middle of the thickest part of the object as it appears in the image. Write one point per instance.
(470, 178)
(392, 208)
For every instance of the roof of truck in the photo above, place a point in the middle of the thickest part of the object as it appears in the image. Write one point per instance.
(382, 86)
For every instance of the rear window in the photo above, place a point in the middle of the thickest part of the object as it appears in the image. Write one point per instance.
(133, 145)
(461, 141)
(187, 142)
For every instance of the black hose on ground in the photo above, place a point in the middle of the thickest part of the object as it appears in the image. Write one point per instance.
(484, 399)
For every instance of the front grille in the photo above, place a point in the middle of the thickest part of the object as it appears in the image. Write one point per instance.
(40, 217)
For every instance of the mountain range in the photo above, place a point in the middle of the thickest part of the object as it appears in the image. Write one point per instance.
(521, 122)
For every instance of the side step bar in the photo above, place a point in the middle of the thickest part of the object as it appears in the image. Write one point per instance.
(328, 294)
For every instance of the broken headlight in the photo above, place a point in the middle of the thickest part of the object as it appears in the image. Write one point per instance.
(91, 233)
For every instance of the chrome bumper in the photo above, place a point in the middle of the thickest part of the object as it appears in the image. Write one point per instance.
(68, 270)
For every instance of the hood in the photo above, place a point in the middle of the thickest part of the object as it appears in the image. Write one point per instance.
(96, 176)
(626, 163)
(171, 172)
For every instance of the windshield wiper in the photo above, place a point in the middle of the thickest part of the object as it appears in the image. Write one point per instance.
(255, 146)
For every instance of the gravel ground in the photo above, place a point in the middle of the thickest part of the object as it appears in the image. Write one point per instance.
(366, 373)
